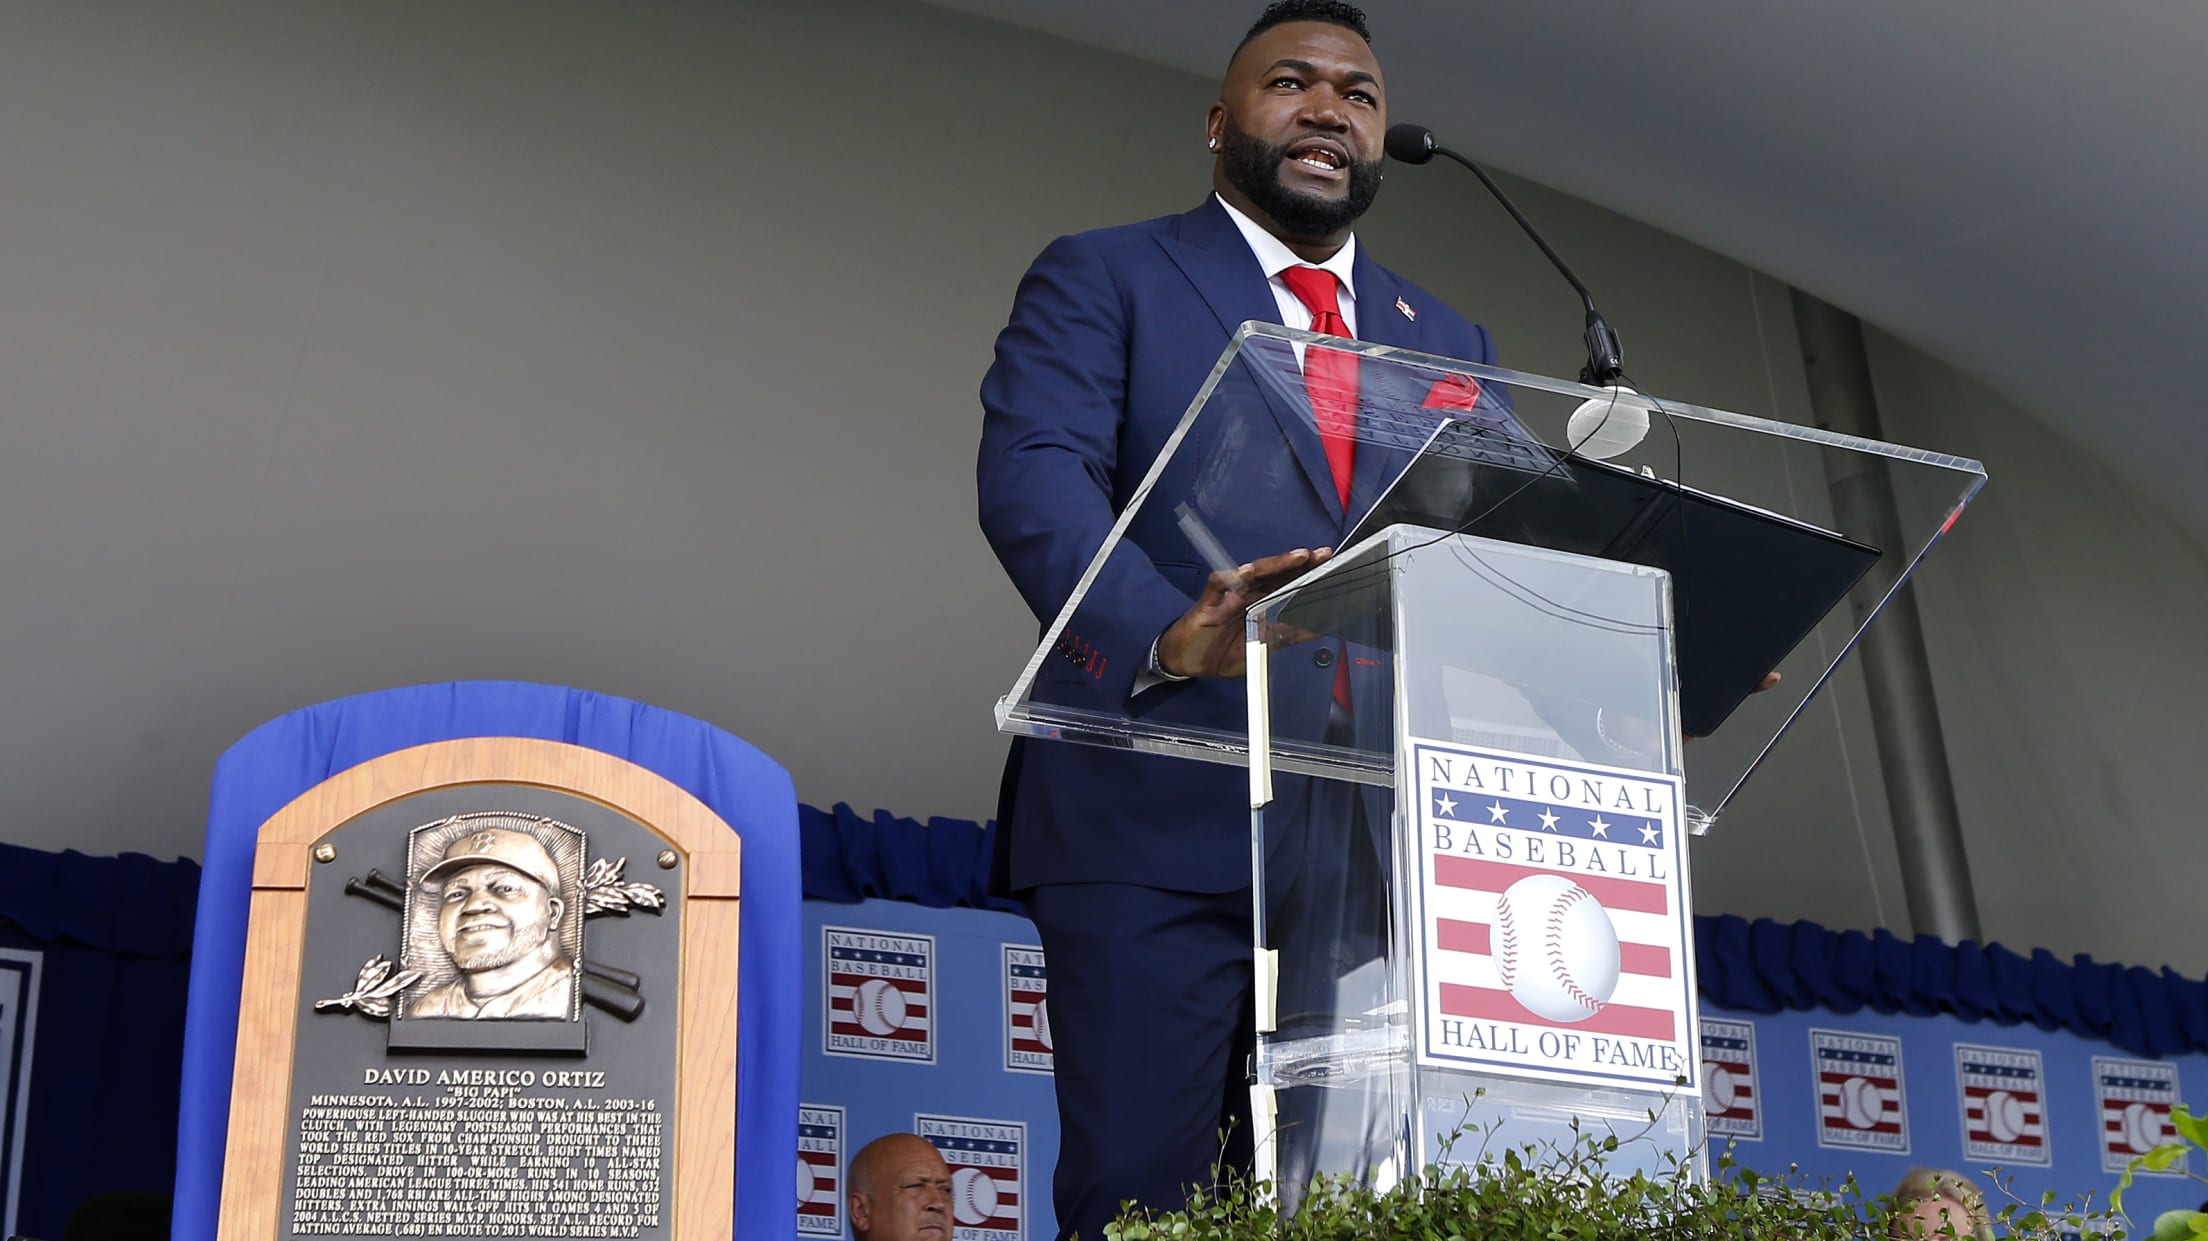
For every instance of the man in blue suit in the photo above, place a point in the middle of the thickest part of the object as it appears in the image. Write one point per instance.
(1136, 867)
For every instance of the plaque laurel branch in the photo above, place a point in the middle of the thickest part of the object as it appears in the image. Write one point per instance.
(604, 891)
(372, 991)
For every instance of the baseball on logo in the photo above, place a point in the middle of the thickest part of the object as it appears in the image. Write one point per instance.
(805, 1182)
(2004, 1116)
(1042, 1026)
(2143, 1129)
(1718, 1093)
(879, 1007)
(1555, 948)
(973, 1196)
(1861, 1104)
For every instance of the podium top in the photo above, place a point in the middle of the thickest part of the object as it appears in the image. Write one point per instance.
(1753, 583)
(1246, 473)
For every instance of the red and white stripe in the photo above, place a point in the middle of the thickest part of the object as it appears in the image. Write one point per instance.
(2119, 1138)
(820, 1190)
(985, 1197)
(1830, 1085)
(2033, 1132)
(843, 993)
(1461, 907)
(1027, 1007)
(1743, 1083)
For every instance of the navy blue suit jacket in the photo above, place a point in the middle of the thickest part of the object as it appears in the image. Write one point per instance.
(1111, 335)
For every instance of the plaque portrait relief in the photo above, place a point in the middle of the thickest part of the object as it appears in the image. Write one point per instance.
(487, 922)
(491, 951)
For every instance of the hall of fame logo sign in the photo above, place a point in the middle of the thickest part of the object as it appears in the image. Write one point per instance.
(1553, 920)
(880, 994)
(1732, 1104)
(1860, 1101)
(988, 1160)
(2135, 1098)
(2003, 1092)
(819, 1170)
(19, 985)
(1027, 1042)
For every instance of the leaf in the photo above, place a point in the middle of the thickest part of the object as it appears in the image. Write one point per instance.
(2164, 1157)
(372, 973)
(390, 987)
(2177, 1225)
(2194, 1129)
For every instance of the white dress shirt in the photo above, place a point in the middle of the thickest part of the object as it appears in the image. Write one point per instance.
(1275, 257)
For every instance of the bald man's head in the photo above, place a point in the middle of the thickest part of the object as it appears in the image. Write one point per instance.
(900, 1189)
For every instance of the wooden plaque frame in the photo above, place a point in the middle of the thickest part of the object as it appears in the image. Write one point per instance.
(704, 1190)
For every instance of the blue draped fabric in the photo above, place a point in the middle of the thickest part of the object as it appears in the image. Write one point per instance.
(114, 936)
(1766, 966)
(288, 756)
(942, 864)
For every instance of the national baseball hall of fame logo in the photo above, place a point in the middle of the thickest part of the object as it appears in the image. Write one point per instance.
(1732, 1099)
(880, 991)
(988, 1160)
(1027, 1043)
(1553, 919)
(819, 1170)
(1860, 1102)
(2003, 1092)
(2135, 1098)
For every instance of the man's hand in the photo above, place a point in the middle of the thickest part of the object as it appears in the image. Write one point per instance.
(1207, 641)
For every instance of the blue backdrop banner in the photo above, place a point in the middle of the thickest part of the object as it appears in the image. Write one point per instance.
(287, 756)
(1758, 967)
(925, 1020)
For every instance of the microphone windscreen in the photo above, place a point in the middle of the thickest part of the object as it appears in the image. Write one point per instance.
(1606, 425)
(1410, 144)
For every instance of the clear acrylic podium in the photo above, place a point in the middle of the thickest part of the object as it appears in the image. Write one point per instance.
(1470, 791)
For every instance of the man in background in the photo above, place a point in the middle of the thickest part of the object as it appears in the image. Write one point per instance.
(900, 1189)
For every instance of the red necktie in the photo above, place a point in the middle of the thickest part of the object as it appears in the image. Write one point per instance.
(1329, 375)
(1330, 379)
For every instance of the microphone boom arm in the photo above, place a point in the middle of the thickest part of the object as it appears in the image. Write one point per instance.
(1605, 353)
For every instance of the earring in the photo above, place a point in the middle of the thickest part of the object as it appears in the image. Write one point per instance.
(1212, 144)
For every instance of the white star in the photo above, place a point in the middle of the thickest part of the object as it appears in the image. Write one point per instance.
(1497, 814)
(1648, 834)
(1446, 804)
(1601, 826)
(1548, 820)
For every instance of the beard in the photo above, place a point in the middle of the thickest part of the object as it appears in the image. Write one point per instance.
(1252, 166)
(501, 952)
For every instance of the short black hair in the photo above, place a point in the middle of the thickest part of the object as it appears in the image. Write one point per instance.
(1331, 12)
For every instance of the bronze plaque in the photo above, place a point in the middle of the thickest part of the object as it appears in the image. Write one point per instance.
(487, 1034)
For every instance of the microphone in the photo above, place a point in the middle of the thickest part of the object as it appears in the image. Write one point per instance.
(1416, 144)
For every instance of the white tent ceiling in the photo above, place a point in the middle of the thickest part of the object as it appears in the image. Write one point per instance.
(2015, 186)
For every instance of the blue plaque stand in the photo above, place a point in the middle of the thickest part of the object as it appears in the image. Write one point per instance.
(289, 755)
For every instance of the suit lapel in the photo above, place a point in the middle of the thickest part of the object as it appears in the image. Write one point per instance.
(1211, 252)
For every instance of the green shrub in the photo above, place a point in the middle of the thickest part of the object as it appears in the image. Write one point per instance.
(1525, 1194)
